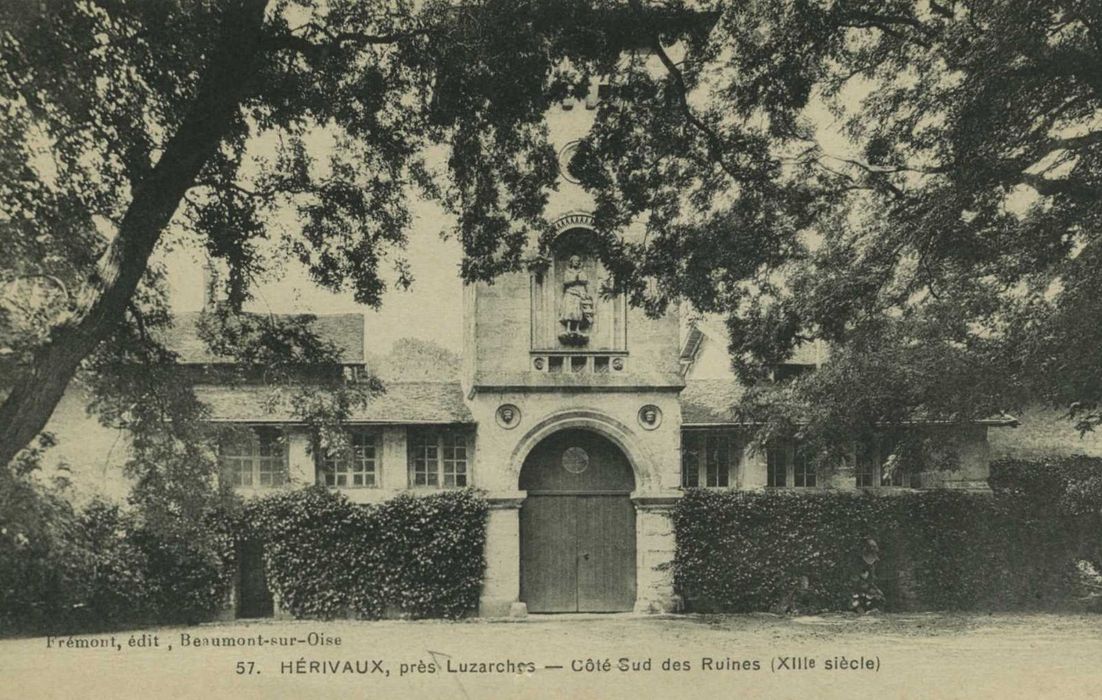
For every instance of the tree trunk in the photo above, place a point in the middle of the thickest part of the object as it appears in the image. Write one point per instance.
(222, 87)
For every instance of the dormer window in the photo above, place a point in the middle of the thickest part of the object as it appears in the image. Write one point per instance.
(784, 372)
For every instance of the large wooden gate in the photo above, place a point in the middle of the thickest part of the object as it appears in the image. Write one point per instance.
(577, 526)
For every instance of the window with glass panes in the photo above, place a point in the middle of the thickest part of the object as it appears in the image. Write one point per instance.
(258, 457)
(709, 458)
(786, 464)
(803, 471)
(776, 467)
(439, 458)
(356, 466)
(872, 462)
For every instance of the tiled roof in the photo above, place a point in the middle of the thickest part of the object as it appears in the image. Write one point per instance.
(815, 352)
(346, 331)
(709, 401)
(403, 402)
(712, 401)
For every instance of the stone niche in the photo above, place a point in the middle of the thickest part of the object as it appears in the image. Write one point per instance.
(570, 313)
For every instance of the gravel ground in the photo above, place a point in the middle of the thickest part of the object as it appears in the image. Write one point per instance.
(904, 656)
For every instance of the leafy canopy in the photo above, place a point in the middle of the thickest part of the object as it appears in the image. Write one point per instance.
(914, 182)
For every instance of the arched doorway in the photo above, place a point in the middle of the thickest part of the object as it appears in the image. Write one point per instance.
(577, 526)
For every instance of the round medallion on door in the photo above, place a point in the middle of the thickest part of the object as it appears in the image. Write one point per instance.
(575, 460)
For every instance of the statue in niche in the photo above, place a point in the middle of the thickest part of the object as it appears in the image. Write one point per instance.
(577, 304)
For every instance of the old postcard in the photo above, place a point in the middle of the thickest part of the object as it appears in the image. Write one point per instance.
(581, 349)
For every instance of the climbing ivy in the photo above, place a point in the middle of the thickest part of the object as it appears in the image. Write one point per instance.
(325, 557)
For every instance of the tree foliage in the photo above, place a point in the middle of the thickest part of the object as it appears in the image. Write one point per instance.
(914, 182)
(134, 126)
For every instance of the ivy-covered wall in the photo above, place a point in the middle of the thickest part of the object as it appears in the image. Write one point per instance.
(1027, 546)
(326, 557)
(66, 570)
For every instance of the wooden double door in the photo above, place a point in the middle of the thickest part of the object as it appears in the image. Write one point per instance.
(577, 526)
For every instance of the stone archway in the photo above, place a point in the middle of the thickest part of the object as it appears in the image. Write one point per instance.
(640, 460)
(577, 525)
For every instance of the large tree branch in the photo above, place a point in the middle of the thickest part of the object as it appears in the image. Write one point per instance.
(1069, 188)
(37, 390)
(329, 42)
(890, 24)
(716, 147)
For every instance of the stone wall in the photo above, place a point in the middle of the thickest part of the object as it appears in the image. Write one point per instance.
(655, 454)
(501, 341)
(90, 455)
(655, 547)
(1043, 433)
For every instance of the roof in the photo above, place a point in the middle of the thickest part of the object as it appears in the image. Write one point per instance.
(345, 331)
(712, 401)
(702, 330)
(403, 402)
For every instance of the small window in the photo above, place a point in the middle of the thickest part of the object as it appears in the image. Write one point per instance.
(357, 466)
(803, 471)
(718, 466)
(439, 458)
(256, 458)
(690, 467)
(708, 458)
(867, 470)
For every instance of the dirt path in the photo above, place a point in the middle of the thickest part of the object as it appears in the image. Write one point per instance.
(896, 656)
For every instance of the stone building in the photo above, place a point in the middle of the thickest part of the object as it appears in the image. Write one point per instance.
(580, 418)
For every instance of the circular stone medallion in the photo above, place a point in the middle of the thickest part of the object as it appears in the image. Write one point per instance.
(650, 417)
(508, 416)
(575, 460)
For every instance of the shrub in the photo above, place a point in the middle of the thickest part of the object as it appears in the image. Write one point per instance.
(35, 523)
(69, 570)
(434, 550)
(98, 568)
(187, 574)
(754, 551)
(326, 557)
(743, 551)
(107, 570)
(66, 570)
